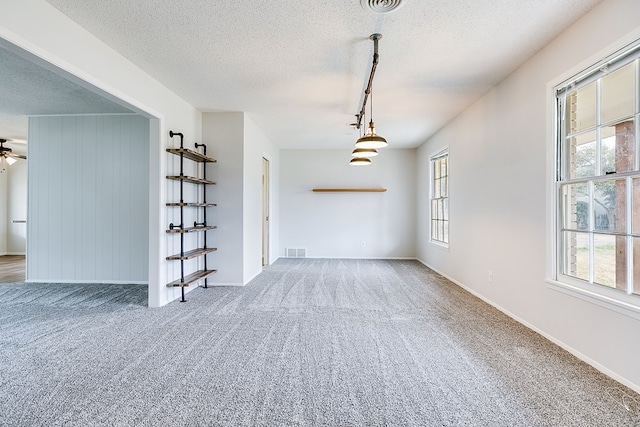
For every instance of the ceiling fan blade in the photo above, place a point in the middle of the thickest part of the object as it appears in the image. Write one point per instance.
(18, 156)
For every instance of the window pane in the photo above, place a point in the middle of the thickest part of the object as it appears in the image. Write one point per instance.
(636, 206)
(434, 209)
(582, 155)
(443, 166)
(576, 251)
(581, 109)
(604, 261)
(617, 94)
(446, 209)
(443, 186)
(436, 189)
(445, 231)
(609, 205)
(436, 170)
(618, 153)
(575, 206)
(636, 265)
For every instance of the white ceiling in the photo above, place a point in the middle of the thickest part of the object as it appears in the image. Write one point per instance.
(29, 89)
(298, 68)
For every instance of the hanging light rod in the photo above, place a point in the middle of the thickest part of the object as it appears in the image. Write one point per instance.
(375, 37)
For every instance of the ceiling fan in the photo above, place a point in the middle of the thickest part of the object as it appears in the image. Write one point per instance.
(7, 153)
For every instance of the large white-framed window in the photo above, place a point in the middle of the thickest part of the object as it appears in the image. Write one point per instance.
(597, 179)
(439, 197)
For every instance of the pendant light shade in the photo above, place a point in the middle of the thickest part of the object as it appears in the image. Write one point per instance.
(371, 140)
(360, 161)
(364, 152)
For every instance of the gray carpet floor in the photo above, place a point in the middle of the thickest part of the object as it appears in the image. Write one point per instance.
(309, 342)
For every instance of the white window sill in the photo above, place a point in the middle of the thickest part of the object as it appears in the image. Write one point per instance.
(628, 305)
(444, 246)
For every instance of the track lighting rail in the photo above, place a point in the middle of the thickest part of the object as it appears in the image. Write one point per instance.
(375, 37)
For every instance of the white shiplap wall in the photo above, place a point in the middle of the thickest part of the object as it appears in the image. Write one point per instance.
(88, 202)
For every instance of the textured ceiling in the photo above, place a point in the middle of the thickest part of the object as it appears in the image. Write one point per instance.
(298, 68)
(29, 89)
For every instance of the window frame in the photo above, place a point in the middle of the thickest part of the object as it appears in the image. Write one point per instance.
(439, 154)
(625, 302)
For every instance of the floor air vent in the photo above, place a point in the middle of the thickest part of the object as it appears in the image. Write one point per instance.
(296, 253)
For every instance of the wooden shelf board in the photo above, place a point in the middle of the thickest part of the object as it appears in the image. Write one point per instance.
(191, 278)
(192, 155)
(192, 229)
(191, 179)
(194, 253)
(194, 205)
(349, 190)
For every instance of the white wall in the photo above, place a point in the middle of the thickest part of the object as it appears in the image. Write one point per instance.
(50, 38)
(224, 135)
(501, 166)
(336, 224)
(17, 208)
(88, 199)
(256, 147)
(239, 146)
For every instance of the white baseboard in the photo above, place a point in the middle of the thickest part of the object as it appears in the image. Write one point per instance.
(16, 253)
(357, 257)
(221, 284)
(98, 282)
(608, 372)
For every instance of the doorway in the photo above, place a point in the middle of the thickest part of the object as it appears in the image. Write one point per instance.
(265, 212)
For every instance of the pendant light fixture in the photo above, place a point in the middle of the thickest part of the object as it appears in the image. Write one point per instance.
(367, 144)
(360, 161)
(364, 152)
(371, 140)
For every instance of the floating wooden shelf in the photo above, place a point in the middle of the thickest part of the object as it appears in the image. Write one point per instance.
(349, 190)
(191, 229)
(192, 155)
(191, 179)
(195, 205)
(194, 253)
(191, 278)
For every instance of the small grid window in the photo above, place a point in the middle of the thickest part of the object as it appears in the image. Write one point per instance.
(440, 198)
(598, 176)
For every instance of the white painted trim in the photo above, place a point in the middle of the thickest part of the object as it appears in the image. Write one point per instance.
(15, 253)
(611, 303)
(89, 282)
(223, 284)
(435, 243)
(358, 257)
(608, 372)
(85, 115)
